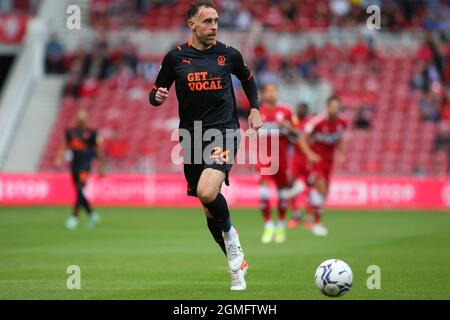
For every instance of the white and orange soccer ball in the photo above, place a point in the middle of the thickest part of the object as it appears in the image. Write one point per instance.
(334, 278)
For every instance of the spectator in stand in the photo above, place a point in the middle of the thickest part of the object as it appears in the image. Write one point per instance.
(6, 6)
(116, 147)
(288, 70)
(244, 18)
(123, 77)
(424, 52)
(23, 6)
(437, 15)
(307, 64)
(98, 64)
(75, 78)
(442, 141)
(129, 56)
(340, 8)
(89, 87)
(273, 17)
(360, 52)
(445, 110)
(419, 81)
(289, 10)
(429, 107)
(363, 115)
(148, 69)
(269, 75)
(73, 85)
(260, 58)
(54, 56)
(229, 14)
(420, 171)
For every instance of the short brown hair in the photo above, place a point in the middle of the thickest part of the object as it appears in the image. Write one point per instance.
(332, 98)
(195, 6)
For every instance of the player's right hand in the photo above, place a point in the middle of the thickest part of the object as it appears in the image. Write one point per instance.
(161, 95)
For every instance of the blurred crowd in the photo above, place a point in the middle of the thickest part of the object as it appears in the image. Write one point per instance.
(432, 78)
(287, 15)
(87, 67)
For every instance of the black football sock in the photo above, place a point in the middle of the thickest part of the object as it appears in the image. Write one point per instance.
(84, 203)
(216, 231)
(76, 208)
(219, 210)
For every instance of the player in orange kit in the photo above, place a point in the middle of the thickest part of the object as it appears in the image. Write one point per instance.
(277, 119)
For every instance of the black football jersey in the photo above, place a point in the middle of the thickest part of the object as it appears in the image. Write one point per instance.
(82, 142)
(203, 83)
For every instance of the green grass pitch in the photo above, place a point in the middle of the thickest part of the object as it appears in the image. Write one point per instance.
(169, 254)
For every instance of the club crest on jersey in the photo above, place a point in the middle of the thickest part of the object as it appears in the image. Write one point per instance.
(221, 61)
(199, 81)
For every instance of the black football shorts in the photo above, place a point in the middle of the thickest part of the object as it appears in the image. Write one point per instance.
(217, 150)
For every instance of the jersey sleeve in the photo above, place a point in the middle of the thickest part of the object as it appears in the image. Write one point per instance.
(166, 75)
(243, 73)
(240, 69)
(165, 78)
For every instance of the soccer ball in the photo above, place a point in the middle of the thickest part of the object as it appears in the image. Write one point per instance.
(334, 278)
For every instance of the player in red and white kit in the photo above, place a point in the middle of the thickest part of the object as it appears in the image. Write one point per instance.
(322, 137)
(277, 119)
(298, 165)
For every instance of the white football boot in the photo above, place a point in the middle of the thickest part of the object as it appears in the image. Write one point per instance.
(269, 233)
(93, 220)
(238, 278)
(72, 223)
(280, 234)
(318, 229)
(235, 255)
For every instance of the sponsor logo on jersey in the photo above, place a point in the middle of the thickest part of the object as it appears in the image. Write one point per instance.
(77, 144)
(199, 81)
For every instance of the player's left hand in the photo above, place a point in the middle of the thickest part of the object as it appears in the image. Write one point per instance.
(254, 120)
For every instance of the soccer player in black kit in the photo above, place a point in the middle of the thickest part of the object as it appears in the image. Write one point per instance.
(201, 70)
(84, 146)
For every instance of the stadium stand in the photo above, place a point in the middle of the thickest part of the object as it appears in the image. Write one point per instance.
(287, 15)
(394, 91)
(116, 106)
